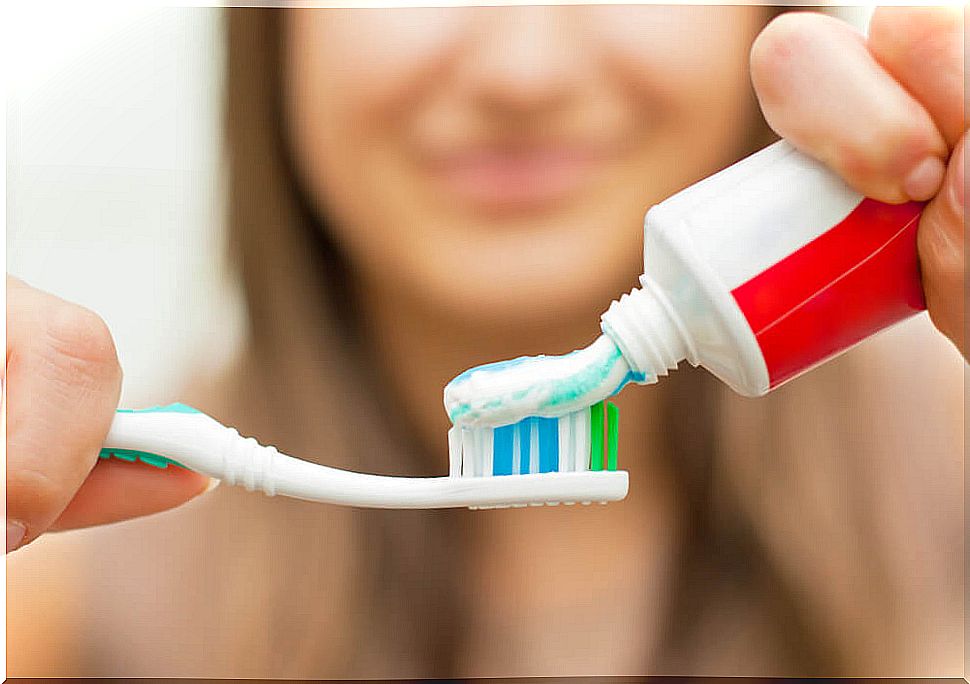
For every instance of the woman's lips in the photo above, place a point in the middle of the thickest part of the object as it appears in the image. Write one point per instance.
(516, 178)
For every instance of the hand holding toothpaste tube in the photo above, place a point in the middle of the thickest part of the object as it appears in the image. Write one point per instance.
(887, 114)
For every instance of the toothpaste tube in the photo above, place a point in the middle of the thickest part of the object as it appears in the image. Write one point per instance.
(765, 270)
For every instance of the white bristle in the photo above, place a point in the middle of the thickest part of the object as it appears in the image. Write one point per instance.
(454, 452)
(471, 455)
(517, 450)
(581, 452)
(487, 452)
(468, 456)
(475, 463)
(565, 443)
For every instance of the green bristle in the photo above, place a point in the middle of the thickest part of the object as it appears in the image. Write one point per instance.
(596, 436)
(612, 430)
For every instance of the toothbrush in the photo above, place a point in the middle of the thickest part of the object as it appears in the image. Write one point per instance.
(569, 459)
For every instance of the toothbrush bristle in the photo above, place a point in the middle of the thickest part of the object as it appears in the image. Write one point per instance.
(579, 441)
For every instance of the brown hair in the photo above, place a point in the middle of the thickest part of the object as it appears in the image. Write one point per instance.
(296, 281)
(731, 459)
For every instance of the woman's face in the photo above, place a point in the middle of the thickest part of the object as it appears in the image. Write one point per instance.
(495, 163)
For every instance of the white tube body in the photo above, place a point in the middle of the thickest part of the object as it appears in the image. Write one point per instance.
(765, 270)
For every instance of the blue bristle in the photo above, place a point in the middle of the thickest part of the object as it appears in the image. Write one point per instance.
(508, 439)
(502, 445)
(548, 445)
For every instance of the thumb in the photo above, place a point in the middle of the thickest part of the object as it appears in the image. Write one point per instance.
(62, 380)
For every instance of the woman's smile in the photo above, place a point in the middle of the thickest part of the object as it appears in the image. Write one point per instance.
(517, 177)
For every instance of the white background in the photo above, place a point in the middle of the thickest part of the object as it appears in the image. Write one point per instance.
(114, 197)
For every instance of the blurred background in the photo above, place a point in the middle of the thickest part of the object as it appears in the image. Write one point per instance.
(113, 158)
(113, 193)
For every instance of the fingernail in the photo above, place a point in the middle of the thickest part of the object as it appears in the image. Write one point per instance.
(213, 483)
(15, 535)
(924, 181)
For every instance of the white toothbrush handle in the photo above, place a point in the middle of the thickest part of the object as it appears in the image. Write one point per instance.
(193, 440)
(196, 441)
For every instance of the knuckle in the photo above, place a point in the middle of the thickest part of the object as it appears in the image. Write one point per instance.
(78, 337)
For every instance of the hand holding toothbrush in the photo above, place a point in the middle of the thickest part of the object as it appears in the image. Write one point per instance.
(887, 114)
(61, 359)
(62, 362)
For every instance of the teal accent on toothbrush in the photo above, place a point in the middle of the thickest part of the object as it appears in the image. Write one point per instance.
(132, 455)
(547, 386)
(168, 408)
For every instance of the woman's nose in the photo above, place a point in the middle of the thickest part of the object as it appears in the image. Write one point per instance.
(524, 59)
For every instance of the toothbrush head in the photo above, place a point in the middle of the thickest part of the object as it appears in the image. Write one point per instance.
(569, 459)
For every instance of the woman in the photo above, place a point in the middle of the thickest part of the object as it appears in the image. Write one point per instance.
(416, 192)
